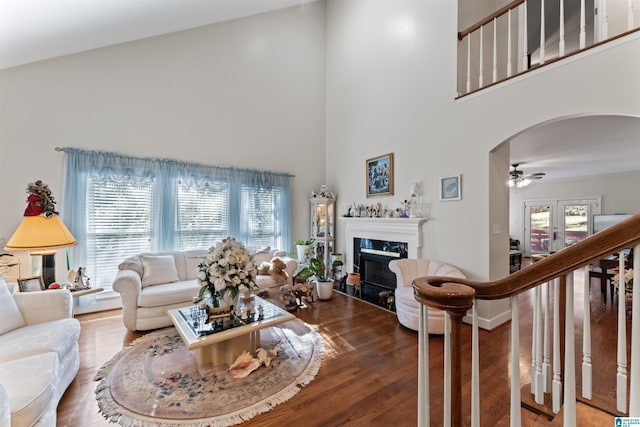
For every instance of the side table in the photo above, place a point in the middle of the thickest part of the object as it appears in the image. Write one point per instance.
(85, 296)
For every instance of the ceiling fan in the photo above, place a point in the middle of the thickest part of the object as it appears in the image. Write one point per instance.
(517, 178)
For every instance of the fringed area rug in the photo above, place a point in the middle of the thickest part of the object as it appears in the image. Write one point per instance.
(157, 382)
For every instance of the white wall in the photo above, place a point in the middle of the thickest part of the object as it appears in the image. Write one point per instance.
(391, 83)
(247, 93)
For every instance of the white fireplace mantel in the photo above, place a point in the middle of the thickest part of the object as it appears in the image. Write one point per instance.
(407, 230)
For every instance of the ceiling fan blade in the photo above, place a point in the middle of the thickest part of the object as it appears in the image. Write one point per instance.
(538, 175)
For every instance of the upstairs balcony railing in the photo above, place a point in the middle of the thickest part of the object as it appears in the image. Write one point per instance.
(501, 46)
(553, 362)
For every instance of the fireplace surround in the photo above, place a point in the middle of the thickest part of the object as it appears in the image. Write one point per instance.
(384, 239)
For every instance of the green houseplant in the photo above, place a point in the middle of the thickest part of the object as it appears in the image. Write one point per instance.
(318, 270)
(304, 249)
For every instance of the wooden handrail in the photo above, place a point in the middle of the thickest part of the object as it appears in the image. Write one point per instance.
(485, 21)
(626, 234)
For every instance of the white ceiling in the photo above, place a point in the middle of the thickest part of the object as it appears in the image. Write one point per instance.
(34, 30)
(581, 146)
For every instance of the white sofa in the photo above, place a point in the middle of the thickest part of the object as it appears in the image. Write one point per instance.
(407, 308)
(151, 284)
(39, 355)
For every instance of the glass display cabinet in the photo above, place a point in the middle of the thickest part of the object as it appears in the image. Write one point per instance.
(323, 226)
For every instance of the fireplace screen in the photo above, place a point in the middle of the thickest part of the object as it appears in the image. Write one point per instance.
(371, 260)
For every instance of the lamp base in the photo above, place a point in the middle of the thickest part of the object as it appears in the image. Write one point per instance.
(48, 269)
(47, 266)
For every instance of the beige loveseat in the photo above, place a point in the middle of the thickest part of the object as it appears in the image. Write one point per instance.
(152, 284)
(39, 355)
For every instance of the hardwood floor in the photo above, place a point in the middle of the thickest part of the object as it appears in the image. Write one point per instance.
(369, 372)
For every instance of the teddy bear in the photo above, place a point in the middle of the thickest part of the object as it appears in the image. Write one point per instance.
(278, 270)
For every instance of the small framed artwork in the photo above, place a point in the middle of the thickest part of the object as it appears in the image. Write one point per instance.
(30, 284)
(380, 176)
(450, 188)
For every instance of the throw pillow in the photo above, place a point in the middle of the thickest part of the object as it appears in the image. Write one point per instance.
(132, 263)
(262, 255)
(10, 316)
(158, 269)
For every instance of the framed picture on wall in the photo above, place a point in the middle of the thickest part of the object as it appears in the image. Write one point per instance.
(450, 188)
(31, 284)
(379, 172)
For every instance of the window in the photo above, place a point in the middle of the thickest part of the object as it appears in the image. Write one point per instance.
(202, 215)
(262, 225)
(118, 206)
(119, 217)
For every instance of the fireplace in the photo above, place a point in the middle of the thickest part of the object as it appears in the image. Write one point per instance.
(403, 237)
(371, 259)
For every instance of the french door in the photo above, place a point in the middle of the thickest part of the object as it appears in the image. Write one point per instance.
(551, 225)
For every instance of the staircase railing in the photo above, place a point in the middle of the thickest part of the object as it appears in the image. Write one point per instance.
(505, 50)
(457, 296)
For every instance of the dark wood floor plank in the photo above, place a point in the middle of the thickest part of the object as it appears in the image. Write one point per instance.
(369, 374)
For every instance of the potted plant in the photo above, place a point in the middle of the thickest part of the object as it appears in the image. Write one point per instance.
(317, 270)
(304, 249)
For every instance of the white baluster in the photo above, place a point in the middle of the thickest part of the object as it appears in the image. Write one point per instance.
(546, 359)
(542, 34)
(481, 75)
(561, 44)
(515, 363)
(534, 341)
(630, 23)
(495, 50)
(586, 337)
(583, 27)
(475, 371)
(605, 20)
(621, 376)
(634, 393)
(509, 55)
(556, 392)
(525, 44)
(423, 368)
(569, 359)
(447, 371)
(539, 386)
(468, 62)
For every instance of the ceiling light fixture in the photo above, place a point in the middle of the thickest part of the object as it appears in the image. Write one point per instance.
(518, 179)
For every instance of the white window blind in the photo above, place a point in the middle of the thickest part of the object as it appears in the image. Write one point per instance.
(202, 215)
(261, 223)
(119, 218)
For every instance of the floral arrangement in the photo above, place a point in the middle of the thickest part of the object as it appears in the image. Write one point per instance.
(627, 289)
(628, 278)
(225, 269)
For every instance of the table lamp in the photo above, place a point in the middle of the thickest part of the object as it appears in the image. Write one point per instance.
(41, 231)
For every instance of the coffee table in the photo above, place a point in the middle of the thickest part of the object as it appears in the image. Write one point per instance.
(222, 345)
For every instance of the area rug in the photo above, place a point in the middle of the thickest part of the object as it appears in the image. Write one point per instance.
(157, 382)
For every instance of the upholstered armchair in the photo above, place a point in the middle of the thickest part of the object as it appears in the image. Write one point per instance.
(407, 308)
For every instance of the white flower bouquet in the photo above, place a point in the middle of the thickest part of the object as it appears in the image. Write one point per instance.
(225, 269)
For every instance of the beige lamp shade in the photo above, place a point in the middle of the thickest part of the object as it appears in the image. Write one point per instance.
(40, 233)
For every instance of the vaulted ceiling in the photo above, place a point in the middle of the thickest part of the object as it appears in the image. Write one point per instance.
(34, 30)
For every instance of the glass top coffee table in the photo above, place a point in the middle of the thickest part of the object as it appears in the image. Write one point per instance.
(222, 342)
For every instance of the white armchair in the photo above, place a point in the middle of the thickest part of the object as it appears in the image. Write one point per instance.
(407, 308)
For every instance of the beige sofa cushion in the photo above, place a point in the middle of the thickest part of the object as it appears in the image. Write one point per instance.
(29, 394)
(58, 336)
(158, 269)
(168, 293)
(10, 316)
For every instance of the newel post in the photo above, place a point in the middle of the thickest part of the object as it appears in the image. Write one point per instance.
(456, 299)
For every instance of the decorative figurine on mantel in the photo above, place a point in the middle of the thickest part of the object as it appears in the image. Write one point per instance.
(414, 205)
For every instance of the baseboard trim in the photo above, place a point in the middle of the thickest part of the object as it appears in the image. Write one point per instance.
(490, 323)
